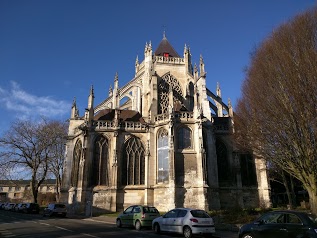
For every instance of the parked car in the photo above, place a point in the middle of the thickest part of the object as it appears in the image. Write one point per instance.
(9, 206)
(138, 216)
(185, 221)
(281, 224)
(55, 209)
(19, 207)
(30, 208)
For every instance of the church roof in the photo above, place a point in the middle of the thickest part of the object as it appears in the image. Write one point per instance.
(165, 47)
(125, 115)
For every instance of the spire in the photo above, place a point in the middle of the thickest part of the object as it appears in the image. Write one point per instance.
(136, 65)
(110, 91)
(218, 90)
(185, 49)
(91, 98)
(116, 81)
(195, 72)
(92, 90)
(137, 61)
(230, 108)
(74, 111)
(115, 100)
(202, 66)
(165, 49)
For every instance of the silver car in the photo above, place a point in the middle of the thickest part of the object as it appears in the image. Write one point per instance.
(185, 221)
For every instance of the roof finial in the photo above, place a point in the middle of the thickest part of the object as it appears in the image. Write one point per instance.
(164, 32)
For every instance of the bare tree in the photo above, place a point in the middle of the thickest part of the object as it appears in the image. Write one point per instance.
(27, 148)
(276, 115)
(56, 161)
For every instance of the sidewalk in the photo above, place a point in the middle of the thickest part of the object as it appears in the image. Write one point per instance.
(221, 232)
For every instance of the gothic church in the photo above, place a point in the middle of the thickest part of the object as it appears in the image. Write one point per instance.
(163, 139)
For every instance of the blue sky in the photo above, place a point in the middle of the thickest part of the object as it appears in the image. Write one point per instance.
(53, 50)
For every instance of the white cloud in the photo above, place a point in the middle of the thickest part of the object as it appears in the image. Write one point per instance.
(27, 105)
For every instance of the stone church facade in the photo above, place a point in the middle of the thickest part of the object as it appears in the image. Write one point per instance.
(163, 139)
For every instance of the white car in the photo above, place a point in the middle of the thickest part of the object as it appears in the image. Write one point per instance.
(185, 221)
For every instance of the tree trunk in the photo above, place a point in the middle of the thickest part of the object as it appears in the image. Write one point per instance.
(288, 193)
(293, 191)
(312, 199)
(58, 189)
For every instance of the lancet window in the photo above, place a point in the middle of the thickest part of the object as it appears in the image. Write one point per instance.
(248, 171)
(223, 164)
(133, 172)
(101, 162)
(167, 83)
(76, 159)
(162, 157)
(184, 138)
(190, 96)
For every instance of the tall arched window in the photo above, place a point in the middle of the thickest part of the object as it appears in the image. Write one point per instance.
(100, 172)
(184, 138)
(191, 96)
(133, 163)
(223, 164)
(76, 158)
(162, 157)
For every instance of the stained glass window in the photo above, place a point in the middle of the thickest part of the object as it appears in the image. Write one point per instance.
(164, 85)
(133, 163)
(162, 157)
(75, 168)
(101, 162)
(184, 138)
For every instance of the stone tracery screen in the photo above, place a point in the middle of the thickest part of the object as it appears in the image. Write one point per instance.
(133, 164)
(75, 168)
(101, 162)
(166, 82)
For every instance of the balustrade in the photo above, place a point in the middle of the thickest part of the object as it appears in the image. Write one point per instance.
(174, 60)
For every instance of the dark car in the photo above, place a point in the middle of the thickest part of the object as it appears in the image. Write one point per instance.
(281, 224)
(137, 216)
(55, 209)
(30, 208)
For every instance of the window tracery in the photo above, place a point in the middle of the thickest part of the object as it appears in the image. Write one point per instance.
(76, 158)
(101, 162)
(133, 162)
(162, 157)
(166, 82)
(223, 164)
(184, 138)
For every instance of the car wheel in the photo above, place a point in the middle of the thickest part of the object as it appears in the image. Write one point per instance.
(118, 223)
(157, 228)
(138, 225)
(187, 232)
(247, 236)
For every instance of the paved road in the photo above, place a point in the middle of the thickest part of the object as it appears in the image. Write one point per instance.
(35, 226)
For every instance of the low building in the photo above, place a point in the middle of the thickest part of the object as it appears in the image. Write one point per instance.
(19, 190)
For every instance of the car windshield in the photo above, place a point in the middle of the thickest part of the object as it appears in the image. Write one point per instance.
(199, 214)
(150, 210)
(313, 218)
